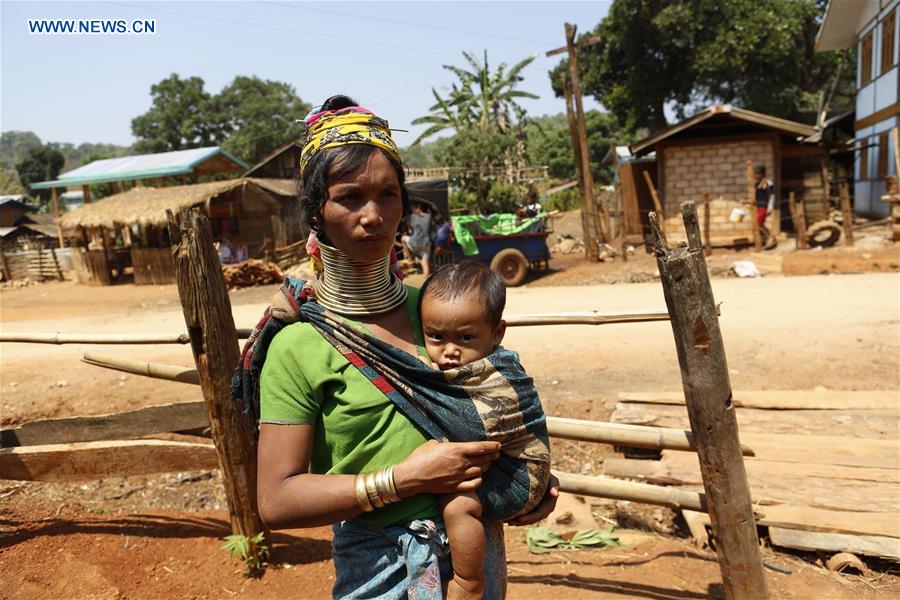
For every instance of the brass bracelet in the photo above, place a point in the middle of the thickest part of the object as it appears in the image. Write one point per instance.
(387, 490)
(381, 485)
(362, 497)
(372, 491)
(392, 486)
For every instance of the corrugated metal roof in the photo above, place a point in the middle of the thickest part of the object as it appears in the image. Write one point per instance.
(741, 114)
(5, 231)
(16, 200)
(142, 166)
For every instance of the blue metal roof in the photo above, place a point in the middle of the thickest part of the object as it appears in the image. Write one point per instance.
(142, 166)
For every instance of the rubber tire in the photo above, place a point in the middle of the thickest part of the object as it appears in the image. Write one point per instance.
(817, 229)
(511, 265)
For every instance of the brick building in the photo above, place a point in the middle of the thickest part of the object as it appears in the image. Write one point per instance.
(708, 154)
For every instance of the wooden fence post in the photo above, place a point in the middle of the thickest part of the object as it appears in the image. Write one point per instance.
(207, 313)
(706, 226)
(846, 212)
(801, 218)
(657, 204)
(751, 198)
(795, 218)
(707, 392)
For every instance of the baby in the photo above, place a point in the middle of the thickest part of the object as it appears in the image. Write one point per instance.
(461, 308)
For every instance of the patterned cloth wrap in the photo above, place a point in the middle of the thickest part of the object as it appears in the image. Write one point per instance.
(489, 399)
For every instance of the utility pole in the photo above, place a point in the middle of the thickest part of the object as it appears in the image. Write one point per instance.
(596, 230)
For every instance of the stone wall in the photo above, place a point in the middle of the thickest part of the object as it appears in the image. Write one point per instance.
(720, 170)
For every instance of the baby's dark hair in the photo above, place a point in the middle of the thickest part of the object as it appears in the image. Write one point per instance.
(335, 163)
(453, 282)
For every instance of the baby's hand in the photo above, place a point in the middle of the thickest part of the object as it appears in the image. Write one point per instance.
(435, 366)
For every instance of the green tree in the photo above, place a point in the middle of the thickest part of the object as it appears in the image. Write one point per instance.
(757, 54)
(178, 119)
(15, 146)
(550, 144)
(482, 98)
(424, 155)
(42, 164)
(259, 115)
(10, 184)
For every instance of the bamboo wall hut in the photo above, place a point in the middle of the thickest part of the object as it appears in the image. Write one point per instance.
(126, 233)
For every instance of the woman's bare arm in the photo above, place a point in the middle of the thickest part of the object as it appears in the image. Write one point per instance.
(289, 496)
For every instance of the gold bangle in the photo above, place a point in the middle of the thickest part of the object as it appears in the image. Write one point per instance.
(392, 486)
(383, 489)
(374, 497)
(386, 486)
(362, 498)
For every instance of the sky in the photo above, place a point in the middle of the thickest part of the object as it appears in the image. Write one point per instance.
(387, 55)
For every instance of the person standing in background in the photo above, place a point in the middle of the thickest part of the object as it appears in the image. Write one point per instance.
(765, 194)
(418, 243)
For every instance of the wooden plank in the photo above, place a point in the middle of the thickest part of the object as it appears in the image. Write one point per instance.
(882, 424)
(825, 449)
(118, 426)
(667, 469)
(768, 484)
(812, 541)
(707, 389)
(830, 521)
(786, 399)
(98, 460)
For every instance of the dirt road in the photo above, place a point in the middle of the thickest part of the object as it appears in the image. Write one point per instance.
(839, 332)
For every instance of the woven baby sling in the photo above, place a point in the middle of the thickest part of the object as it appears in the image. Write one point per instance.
(489, 399)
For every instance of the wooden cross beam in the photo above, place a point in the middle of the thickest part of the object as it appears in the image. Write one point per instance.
(584, 43)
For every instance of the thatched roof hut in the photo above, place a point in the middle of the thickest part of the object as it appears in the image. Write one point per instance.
(127, 231)
(147, 206)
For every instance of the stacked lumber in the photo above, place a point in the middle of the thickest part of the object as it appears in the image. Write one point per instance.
(826, 470)
(251, 272)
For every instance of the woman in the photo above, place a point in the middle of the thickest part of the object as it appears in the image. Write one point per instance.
(324, 427)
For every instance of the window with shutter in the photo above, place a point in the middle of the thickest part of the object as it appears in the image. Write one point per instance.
(887, 41)
(883, 151)
(865, 60)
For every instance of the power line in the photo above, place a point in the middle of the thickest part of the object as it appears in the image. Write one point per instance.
(410, 23)
(288, 30)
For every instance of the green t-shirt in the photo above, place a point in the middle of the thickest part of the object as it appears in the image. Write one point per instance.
(357, 428)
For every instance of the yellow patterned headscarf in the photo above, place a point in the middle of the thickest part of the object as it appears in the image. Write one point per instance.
(353, 125)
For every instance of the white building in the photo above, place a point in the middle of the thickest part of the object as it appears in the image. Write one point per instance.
(871, 25)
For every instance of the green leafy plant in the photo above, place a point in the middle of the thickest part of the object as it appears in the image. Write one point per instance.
(542, 539)
(252, 550)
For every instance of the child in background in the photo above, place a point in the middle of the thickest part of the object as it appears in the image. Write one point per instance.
(461, 308)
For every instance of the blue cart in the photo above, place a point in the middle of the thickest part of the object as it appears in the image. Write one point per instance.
(512, 256)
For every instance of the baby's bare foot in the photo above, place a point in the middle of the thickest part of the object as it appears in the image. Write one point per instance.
(465, 589)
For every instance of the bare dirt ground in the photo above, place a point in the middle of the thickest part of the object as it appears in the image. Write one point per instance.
(158, 536)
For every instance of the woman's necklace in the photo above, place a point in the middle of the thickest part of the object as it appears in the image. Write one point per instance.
(354, 288)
